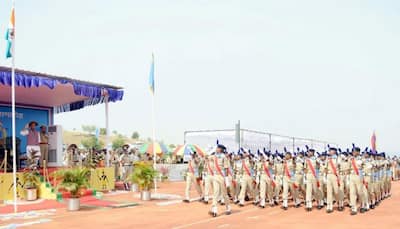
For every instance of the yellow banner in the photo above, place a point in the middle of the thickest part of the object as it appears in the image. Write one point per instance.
(7, 186)
(102, 179)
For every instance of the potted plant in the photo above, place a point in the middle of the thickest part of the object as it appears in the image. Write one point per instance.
(32, 181)
(164, 173)
(143, 175)
(73, 181)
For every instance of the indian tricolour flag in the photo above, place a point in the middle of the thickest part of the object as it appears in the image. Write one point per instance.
(10, 34)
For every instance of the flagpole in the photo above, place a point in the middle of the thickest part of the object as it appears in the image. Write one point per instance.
(13, 117)
(154, 142)
(154, 127)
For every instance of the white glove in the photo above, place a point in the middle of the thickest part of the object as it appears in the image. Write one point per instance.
(227, 183)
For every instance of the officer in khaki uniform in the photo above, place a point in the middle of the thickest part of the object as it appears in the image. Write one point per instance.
(356, 181)
(44, 146)
(193, 177)
(321, 165)
(388, 176)
(278, 176)
(369, 188)
(219, 164)
(333, 181)
(267, 184)
(288, 180)
(246, 184)
(344, 170)
(208, 176)
(299, 177)
(237, 175)
(312, 182)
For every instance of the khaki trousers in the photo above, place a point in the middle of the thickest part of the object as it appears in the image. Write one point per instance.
(356, 189)
(370, 191)
(246, 184)
(288, 186)
(190, 178)
(266, 189)
(332, 190)
(208, 182)
(44, 150)
(311, 190)
(278, 187)
(219, 190)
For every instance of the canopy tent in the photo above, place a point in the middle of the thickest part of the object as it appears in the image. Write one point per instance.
(60, 93)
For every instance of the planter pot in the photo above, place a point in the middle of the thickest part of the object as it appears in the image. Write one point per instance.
(134, 188)
(31, 194)
(145, 195)
(73, 204)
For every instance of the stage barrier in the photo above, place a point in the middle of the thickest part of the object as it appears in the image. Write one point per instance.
(101, 179)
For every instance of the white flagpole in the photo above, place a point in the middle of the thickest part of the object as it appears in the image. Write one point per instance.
(154, 131)
(13, 116)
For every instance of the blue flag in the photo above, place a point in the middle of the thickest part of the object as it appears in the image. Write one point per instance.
(151, 76)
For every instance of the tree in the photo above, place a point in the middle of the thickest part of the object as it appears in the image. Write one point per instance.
(115, 132)
(135, 135)
(91, 142)
(171, 146)
(118, 142)
(89, 128)
(103, 131)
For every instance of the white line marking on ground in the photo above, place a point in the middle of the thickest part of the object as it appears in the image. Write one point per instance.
(169, 203)
(253, 217)
(223, 225)
(213, 219)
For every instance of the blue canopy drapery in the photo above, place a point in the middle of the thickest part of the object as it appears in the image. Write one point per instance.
(95, 93)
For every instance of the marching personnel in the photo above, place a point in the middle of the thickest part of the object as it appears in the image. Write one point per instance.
(312, 182)
(193, 176)
(267, 184)
(356, 184)
(278, 176)
(333, 181)
(208, 175)
(220, 165)
(299, 177)
(288, 180)
(247, 178)
(322, 163)
(388, 176)
(369, 180)
(237, 175)
(344, 170)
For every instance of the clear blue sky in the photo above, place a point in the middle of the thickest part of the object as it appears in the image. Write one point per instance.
(311, 68)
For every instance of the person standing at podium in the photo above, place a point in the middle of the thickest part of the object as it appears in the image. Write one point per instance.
(32, 143)
(44, 146)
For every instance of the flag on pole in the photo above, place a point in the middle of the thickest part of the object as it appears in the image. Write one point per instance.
(373, 142)
(151, 76)
(10, 33)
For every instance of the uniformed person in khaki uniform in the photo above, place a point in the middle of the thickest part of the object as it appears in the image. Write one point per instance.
(44, 146)
(126, 165)
(356, 181)
(333, 181)
(208, 176)
(267, 184)
(237, 175)
(299, 177)
(246, 184)
(278, 176)
(312, 182)
(288, 180)
(344, 171)
(193, 177)
(369, 188)
(220, 165)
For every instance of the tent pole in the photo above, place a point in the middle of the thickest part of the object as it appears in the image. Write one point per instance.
(107, 133)
(14, 152)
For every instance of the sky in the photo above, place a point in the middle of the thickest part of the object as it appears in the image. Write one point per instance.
(318, 69)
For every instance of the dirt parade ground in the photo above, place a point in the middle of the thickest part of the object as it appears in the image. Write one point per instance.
(172, 213)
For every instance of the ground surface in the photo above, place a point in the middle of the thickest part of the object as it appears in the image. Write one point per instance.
(194, 215)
